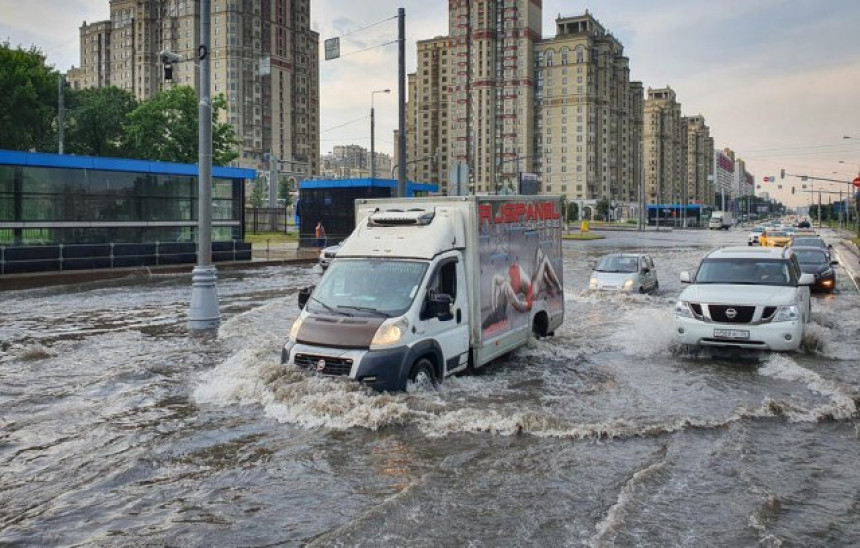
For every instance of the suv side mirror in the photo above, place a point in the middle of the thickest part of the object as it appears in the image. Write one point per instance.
(806, 279)
(685, 277)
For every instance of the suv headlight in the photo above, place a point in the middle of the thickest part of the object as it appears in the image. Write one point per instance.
(787, 314)
(682, 309)
(294, 330)
(592, 283)
(390, 333)
(628, 284)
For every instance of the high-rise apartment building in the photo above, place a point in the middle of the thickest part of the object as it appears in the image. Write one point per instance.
(264, 61)
(494, 96)
(665, 147)
(589, 115)
(700, 150)
(491, 92)
(427, 123)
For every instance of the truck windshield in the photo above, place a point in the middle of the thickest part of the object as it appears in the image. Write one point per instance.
(368, 287)
(743, 272)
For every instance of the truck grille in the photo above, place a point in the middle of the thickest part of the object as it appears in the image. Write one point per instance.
(742, 314)
(332, 365)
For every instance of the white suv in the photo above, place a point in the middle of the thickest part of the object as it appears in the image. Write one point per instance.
(746, 298)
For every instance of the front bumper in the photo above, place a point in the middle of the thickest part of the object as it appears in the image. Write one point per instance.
(779, 336)
(382, 370)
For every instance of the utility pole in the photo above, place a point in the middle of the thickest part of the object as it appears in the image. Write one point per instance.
(204, 313)
(401, 102)
(61, 112)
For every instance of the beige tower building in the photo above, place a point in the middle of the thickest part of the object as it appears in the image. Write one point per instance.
(264, 61)
(427, 123)
(665, 143)
(699, 153)
(589, 116)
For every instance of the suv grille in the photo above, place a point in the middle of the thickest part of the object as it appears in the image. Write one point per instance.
(333, 366)
(742, 314)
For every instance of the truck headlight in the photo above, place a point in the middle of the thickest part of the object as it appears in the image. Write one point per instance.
(592, 283)
(294, 330)
(390, 333)
(682, 309)
(628, 284)
(787, 314)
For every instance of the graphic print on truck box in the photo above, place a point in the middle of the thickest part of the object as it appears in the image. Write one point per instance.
(521, 262)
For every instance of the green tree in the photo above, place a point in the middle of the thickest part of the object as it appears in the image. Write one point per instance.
(258, 192)
(603, 208)
(96, 121)
(165, 128)
(28, 100)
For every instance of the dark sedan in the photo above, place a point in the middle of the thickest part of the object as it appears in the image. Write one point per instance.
(811, 241)
(816, 261)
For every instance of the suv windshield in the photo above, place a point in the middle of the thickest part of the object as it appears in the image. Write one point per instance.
(618, 263)
(744, 271)
(368, 287)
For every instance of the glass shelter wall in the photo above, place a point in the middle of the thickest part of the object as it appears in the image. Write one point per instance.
(68, 205)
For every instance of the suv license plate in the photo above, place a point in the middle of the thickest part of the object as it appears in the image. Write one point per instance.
(731, 334)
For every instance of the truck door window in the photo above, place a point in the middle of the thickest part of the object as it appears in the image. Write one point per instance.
(444, 281)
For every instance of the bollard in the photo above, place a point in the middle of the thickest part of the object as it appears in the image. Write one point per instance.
(583, 227)
(267, 249)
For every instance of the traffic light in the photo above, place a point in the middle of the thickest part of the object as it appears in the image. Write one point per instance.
(792, 190)
(782, 174)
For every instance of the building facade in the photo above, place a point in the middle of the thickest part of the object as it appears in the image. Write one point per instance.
(724, 177)
(589, 116)
(570, 114)
(665, 145)
(264, 61)
(491, 92)
(699, 153)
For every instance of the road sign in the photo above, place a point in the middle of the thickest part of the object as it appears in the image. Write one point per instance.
(857, 182)
(332, 48)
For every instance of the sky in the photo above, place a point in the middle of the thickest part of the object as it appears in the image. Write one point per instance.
(778, 81)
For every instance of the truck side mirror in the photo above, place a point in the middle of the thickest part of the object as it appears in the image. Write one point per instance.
(439, 305)
(305, 294)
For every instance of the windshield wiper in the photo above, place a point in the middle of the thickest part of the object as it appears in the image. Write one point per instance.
(329, 308)
(364, 309)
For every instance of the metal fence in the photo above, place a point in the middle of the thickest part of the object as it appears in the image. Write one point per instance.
(59, 258)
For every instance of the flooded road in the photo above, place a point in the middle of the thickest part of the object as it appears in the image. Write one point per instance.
(118, 428)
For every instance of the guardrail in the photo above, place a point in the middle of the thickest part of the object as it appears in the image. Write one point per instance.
(64, 257)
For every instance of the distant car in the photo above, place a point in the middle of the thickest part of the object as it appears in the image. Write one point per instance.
(753, 236)
(772, 237)
(804, 224)
(625, 272)
(328, 254)
(817, 261)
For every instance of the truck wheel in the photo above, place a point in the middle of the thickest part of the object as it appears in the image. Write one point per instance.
(421, 377)
(540, 324)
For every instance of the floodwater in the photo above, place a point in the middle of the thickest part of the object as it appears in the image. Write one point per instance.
(118, 428)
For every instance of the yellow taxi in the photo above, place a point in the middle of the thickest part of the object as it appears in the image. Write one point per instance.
(774, 237)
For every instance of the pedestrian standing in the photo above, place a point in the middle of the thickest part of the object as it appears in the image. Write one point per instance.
(320, 234)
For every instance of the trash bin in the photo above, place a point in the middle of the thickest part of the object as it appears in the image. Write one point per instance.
(584, 226)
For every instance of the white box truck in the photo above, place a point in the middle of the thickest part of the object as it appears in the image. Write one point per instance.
(720, 220)
(427, 287)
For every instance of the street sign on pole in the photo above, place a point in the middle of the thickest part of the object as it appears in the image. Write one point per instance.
(332, 48)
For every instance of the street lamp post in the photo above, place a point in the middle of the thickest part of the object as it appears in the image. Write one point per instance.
(204, 313)
(372, 133)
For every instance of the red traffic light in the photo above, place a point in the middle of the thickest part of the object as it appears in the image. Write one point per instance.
(857, 182)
